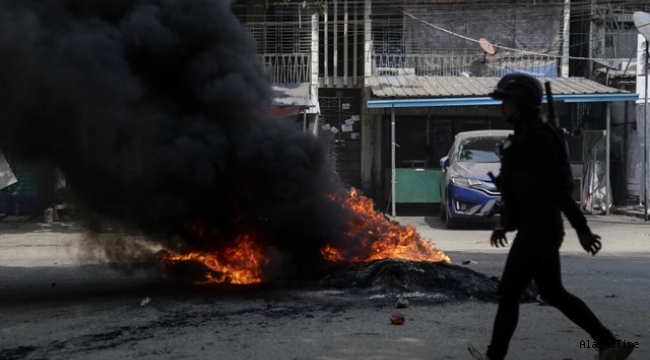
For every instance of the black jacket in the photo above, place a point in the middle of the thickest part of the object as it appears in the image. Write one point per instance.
(536, 181)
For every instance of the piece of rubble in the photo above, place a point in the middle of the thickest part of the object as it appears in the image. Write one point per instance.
(466, 261)
(397, 319)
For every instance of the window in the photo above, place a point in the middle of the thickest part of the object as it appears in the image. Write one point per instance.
(479, 149)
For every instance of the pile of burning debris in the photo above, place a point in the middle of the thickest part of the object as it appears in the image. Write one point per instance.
(432, 281)
(386, 279)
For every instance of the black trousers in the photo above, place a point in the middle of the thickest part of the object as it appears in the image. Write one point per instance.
(535, 255)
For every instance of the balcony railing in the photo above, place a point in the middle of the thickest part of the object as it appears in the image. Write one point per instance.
(469, 64)
(287, 68)
(296, 68)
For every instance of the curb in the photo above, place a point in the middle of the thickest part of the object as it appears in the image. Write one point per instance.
(632, 213)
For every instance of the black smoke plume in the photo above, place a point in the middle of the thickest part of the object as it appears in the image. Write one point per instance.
(155, 110)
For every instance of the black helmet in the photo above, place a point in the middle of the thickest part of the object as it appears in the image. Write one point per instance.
(524, 89)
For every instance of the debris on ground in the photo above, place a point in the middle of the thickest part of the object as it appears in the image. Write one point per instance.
(397, 319)
(421, 280)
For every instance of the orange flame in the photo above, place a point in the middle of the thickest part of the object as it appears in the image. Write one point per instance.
(244, 261)
(239, 264)
(384, 239)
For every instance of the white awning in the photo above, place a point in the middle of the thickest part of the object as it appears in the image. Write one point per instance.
(294, 95)
(6, 175)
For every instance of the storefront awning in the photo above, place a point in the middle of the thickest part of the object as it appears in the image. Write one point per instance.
(431, 91)
(294, 95)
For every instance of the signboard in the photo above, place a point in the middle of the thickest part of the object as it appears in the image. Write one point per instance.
(543, 69)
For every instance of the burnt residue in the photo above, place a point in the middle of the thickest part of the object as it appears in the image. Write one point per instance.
(17, 353)
(437, 281)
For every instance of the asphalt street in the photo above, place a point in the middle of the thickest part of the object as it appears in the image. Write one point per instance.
(60, 301)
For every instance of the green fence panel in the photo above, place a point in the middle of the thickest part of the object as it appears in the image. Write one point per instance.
(417, 185)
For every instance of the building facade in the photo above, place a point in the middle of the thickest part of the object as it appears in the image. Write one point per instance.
(326, 59)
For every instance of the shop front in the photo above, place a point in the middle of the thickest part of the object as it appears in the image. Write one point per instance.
(416, 118)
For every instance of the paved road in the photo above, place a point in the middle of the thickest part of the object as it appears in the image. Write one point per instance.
(59, 301)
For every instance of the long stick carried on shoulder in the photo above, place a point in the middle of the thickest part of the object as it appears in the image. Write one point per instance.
(554, 122)
(552, 118)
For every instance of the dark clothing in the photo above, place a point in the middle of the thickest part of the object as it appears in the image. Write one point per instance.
(535, 256)
(536, 181)
(536, 184)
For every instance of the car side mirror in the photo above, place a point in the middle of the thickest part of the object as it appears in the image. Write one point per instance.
(444, 162)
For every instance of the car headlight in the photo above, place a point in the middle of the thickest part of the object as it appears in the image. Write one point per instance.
(490, 186)
(461, 181)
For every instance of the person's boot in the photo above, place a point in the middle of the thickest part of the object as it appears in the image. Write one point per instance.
(476, 354)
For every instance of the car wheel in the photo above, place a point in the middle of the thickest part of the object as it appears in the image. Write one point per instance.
(451, 223)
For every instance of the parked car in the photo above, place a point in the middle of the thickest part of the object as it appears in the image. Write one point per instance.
(466, 188)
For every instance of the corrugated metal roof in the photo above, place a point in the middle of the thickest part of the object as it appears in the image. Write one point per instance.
(431, 91)
(460, 86)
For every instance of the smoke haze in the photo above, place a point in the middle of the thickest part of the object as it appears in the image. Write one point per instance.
(155, 112)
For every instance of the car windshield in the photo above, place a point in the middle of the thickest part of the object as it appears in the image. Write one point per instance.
(484, 149)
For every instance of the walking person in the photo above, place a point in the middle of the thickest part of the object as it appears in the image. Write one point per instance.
(536, 185)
